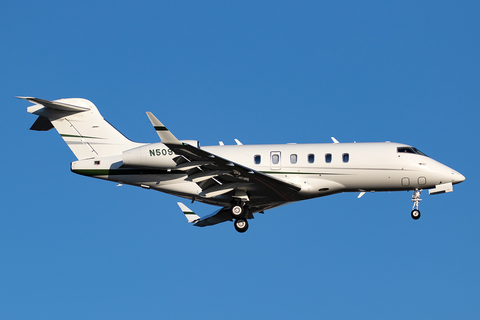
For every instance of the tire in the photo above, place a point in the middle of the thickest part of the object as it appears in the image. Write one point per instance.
(241, 225)
(237, 212)
(415, 214)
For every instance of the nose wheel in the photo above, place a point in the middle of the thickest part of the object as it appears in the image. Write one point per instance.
(415, 214)
(416, 200)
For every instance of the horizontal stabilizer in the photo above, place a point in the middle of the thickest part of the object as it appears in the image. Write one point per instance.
(55, 104)
(81, 126)
(42, 124)
(189, 214)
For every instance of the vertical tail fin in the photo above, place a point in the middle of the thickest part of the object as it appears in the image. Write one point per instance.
(81, 126)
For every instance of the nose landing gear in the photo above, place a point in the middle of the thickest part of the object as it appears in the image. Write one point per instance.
(416, 200)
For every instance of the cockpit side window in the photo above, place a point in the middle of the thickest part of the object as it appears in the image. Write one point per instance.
(419, 152)
(405, 150)
(410, 150)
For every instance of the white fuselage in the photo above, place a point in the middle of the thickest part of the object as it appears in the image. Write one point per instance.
(243, 179)
(318, 169)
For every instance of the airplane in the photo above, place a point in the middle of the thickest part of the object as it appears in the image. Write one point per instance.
(241, 179)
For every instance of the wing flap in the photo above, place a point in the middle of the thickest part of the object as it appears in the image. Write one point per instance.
(221, 189)
(205, 175)
(190, 165)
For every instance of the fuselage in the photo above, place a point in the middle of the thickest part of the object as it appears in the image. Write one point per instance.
(243, 179)
(353, 166)
(318, 169)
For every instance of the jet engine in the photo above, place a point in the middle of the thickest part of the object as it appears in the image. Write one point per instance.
(154, 155)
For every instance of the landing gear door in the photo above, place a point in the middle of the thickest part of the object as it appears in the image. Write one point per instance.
(275, 160)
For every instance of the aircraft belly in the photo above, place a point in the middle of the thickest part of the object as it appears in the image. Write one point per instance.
(148, 179)
(327, 182)
(384, 180)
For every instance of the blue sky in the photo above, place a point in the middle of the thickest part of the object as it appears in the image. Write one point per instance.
(262, 72)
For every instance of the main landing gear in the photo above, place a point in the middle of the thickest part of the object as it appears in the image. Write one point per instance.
(241, 225)
(416, 200)
(240, 213)
(237, 211)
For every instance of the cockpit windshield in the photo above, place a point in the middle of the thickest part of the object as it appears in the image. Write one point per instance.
(410, 150)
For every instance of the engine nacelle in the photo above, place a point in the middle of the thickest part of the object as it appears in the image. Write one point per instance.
(154, 155)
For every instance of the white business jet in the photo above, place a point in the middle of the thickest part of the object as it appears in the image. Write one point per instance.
(241, 179)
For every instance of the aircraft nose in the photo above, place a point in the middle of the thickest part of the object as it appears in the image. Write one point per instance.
(457, 177)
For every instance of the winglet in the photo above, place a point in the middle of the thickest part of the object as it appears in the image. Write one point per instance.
(165, 135)
(189, 214)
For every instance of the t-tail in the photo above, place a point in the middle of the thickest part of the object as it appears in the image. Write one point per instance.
(81, 126)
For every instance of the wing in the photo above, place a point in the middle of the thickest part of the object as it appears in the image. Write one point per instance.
(218, 216)
(218, 176)
(223, 181)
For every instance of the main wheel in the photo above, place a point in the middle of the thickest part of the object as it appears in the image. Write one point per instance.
(241, 225)
(415, 214)
(237, 211)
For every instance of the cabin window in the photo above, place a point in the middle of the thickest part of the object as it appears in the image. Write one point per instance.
(311, 158)
(96, 162)
(328, 157)
(275, 158)
(345, 157)
(293, 158)
(257, 159)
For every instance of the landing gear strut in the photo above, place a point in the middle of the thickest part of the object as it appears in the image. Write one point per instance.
(416, 200)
